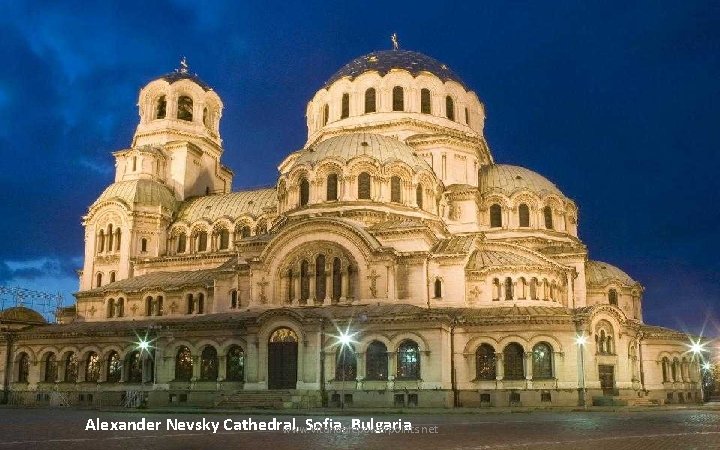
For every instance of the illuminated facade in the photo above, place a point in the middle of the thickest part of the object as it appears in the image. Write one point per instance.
(458, 280)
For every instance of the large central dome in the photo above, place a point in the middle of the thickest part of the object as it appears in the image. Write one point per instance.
(386, 60)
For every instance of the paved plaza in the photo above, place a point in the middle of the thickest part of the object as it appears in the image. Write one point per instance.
(652, 429)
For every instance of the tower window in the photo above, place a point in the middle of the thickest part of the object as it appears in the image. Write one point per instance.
(182, 243)
(345, 110)
(419, 196)
(495, 216)
(398, 99)
(370, 100)
(98, 279)
(185, 108)
(449, 108)
(326, 114)
(425, 107)
(547, 212)
(524, 215)
(202, 241)
(112, 276)
(395, 189)
(332, 187)
(206, 117)
(143, 245)
(438, 288)
(467, 117)
(304, 192)
(161, 107)
(224, 239)
(364, 186)
(613, 297)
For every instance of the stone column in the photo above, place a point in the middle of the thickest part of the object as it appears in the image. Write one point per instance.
(222, 367)
(499, 368)
(344, 285)
(196, 367)
(296, 280)
(328, 286)
(311, 275)
(527, 361)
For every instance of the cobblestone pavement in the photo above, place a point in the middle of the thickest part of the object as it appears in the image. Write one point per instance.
(652, 429)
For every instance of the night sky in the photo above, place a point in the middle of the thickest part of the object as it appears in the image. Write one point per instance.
(616, 102)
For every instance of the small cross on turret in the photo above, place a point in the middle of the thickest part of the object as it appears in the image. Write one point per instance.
(394, 39)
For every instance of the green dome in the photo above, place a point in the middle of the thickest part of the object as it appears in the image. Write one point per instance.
(139, 192)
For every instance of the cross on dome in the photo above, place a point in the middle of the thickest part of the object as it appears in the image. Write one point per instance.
(183, 65)
(394, 39)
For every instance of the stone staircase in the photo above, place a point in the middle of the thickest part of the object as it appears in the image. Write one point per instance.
(643, 401)
(267, 400)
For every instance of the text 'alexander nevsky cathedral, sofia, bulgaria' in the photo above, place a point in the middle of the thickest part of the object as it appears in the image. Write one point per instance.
(393, 263)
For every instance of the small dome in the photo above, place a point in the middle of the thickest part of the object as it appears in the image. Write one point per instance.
(183, 73)
(22, 314)
(510, 179)
(140, 192)
(600, 273)
(386, 60)
(345, 147)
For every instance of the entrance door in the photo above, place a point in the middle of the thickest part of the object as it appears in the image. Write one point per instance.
(607, 379)
(282, 359)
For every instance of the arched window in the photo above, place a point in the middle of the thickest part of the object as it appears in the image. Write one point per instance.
(547, 213)
(395, 189)
(304, 280)
(134, 366)
(206, 118)
(118, 235)
(201, 303)
(110, 238)
(467, 116)
(524, 215)
(508, 288)
(449, 108)
(235, 369)
(346, 363)
(101, 241)
(92, 367)
(183, 364)
(408, 361)
(134, 163)
(114, 368)
(143, 245)
(542, 361)
(244, 231)
(332, 187)
(224, 239)
(291, 285)
(370, 100)
(209, 364)
(51, 368)
(148, 306)
(674, 370)
(438, 288)
(419, 196)
(159, 305)
(665, 369)
(425, 106)
(185, 108)
(120, 307)
(233, 299)
(521, 289)
(23, 370)
(496, 289)
(202, 241)
(320, 278)
(534, 289)
(71, 366)
(495, 216)
(376, 362)
(613, 297)
(160, 107)
(336, 279)
(190, 304)
(364, 186)
(485, 362)
(326, 114)
(304, 192)
(182, 243)
(513, 362)
(98, 279)
(112, 276)
(345, 109)
(398, 99)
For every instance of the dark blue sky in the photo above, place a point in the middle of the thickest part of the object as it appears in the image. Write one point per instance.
(616, 102)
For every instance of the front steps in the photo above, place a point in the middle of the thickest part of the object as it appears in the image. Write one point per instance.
(280, 399)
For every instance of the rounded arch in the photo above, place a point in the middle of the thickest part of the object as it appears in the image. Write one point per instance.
(30, 352)
(368, 339)
(549, 339)
(514, 338)
(399, 338)
(476, 341)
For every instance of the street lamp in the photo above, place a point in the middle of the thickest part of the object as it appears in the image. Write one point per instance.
(581, 340)
(697, 348)
(144, 345)
(344, 339)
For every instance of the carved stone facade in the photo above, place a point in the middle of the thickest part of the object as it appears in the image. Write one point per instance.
(459, 281)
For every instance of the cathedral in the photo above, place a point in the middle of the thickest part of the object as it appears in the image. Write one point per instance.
(394, 263)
